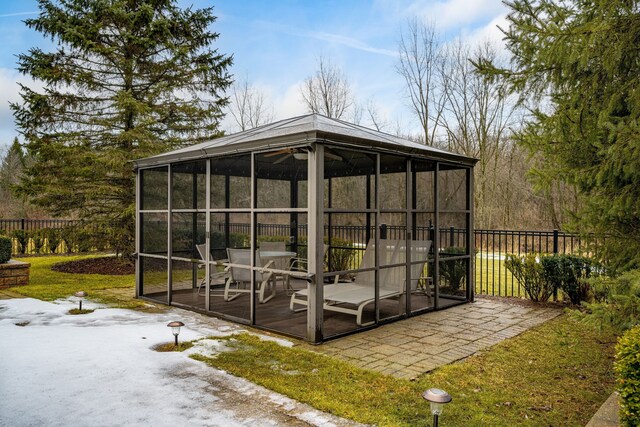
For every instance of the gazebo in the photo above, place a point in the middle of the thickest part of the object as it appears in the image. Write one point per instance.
(310, 227)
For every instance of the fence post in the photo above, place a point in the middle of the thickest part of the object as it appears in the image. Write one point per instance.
(555, 252)
(22, 224)
(452, 237)
(383, 231)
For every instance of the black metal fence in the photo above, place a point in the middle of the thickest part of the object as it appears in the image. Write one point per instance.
(491, 246)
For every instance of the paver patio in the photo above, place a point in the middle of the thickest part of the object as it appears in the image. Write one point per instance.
(420, 344)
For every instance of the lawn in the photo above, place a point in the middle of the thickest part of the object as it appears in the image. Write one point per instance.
(49, 285)
(557, 374)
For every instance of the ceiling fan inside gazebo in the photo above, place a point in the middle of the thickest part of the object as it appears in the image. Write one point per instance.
(298, 154)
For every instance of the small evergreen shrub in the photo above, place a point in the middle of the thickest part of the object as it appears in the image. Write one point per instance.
(22, 238)
(5, 249)
(38, 238)
(617, 303)
(528, 271)
(53, 239)
(569, 273)
(627, 368)
(453, 272)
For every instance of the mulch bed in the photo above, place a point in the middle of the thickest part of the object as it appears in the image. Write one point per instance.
(108, 265)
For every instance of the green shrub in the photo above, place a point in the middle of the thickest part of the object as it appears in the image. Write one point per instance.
(618, 303)
(569, 273)
(627, 368)
(453, 272)
(22, 238)
(53, 238)
(528, 271)
(38, 238)
(5, 249)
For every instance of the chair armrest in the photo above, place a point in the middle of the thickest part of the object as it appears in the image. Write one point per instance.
(296, 262)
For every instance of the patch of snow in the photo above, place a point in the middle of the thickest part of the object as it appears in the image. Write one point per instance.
(99, 369)
(208, 348)
(281, 341)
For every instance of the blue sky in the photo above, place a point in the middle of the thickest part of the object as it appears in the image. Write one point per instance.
(275, 44)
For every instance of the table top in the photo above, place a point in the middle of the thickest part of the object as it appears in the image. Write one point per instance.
(277, 254)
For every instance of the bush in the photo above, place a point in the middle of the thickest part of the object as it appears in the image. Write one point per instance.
(618, 303)
(529, 273)
(23, 240)
(627, 368)
(569, 273)
(453, 272)
(53, 238)
(38, 239)
(5, 249)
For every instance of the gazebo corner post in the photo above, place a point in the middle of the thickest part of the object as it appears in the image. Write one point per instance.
(169, 234)
(207, 238)
(471, 275)
(436, 239)
(138, 234)
(253, 244)
(315, 203)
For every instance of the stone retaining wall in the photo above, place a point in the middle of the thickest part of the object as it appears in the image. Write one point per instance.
(14, 273)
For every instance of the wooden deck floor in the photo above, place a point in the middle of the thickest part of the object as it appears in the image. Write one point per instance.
(276, 315)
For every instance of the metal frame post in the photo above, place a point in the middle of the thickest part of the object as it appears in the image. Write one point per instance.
(315, 203)
(436, 239)
(138, 233)
(169, 233)
(207, 234)
(471, 276)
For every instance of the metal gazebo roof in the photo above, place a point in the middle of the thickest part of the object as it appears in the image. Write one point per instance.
(300, 131)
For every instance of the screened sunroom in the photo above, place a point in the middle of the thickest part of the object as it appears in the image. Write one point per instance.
(310, 227)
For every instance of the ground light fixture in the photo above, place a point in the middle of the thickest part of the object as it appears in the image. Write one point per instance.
(175, 329)
(81, 295)
(438, 398)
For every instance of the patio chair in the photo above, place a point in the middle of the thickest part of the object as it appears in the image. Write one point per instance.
(352, 298)
(214, 275)
(241, 277)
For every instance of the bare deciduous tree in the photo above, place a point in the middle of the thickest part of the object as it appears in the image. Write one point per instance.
(374, 117)
(248, 106)
(476, 120)
(328, 91)
(420, 64)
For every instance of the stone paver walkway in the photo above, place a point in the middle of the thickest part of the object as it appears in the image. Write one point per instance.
(410, 347)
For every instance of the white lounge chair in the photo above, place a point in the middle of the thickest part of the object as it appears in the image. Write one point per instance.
(241, 277)
(214, 275)
(341, 297)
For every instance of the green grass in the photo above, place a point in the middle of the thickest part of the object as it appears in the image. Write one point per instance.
(49, 285)
(557, 374)
(493, 278)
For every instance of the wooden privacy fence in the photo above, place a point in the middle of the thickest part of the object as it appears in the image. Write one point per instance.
(491, 246)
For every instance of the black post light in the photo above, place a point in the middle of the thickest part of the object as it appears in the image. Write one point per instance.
(81, 295)
(175, 329)
(438, 398)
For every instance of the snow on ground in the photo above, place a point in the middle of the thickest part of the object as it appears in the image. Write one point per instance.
(99, 369)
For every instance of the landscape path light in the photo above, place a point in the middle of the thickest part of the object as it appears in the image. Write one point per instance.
(175, 329)
(81, 295)
(438, 398)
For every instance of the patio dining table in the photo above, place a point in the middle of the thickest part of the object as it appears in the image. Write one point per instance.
(279, 255)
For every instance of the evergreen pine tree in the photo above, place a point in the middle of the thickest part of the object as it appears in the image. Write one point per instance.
(128, 79)
(577, 66)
